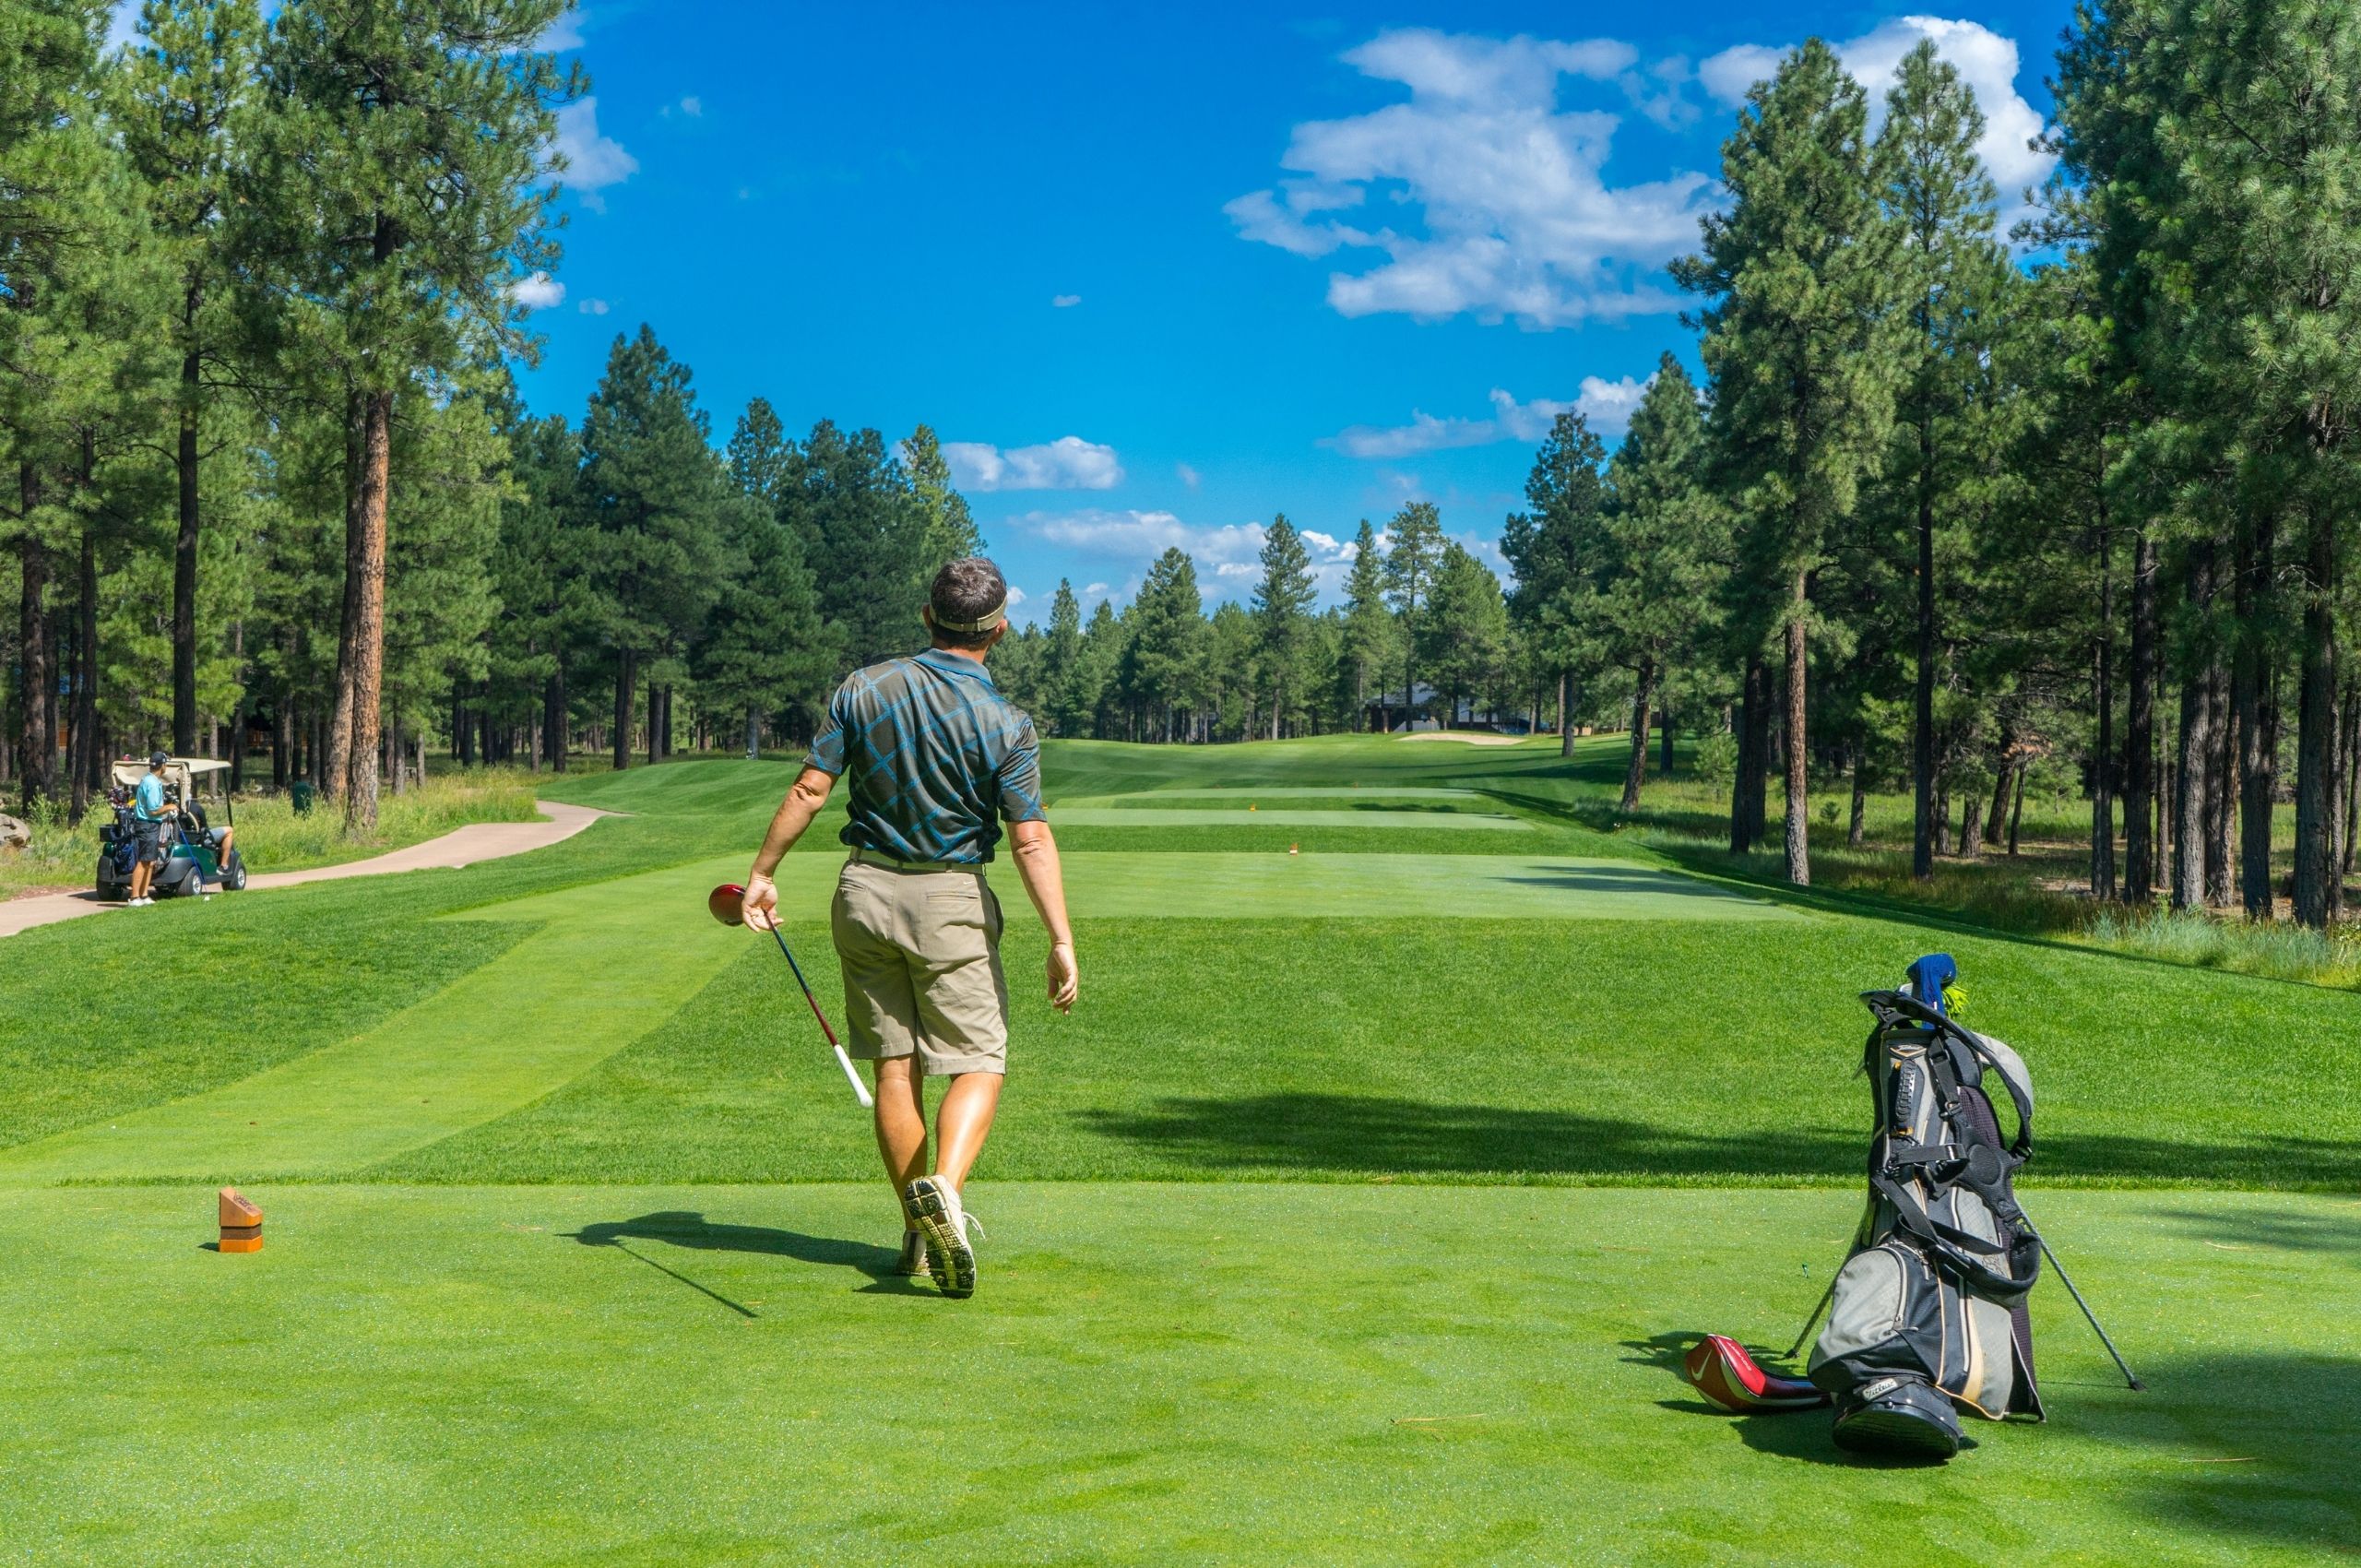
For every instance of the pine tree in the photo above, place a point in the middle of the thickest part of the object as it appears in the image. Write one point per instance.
(655, 491)
(1936, 191)
(186, 94)
(861, 521)
(2222, 140)
(1283, 601)
(381, 277)
(1661, 545)
(1366, 646)
(1465, 632)
(949, 533)
(1802, 339)
(1413, 555)
(1552, 549)
(1068, 705)
(1164, 663)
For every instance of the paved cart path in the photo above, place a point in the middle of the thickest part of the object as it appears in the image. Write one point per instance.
(460, 846)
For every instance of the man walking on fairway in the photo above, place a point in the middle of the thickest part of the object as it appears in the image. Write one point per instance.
(936, 759)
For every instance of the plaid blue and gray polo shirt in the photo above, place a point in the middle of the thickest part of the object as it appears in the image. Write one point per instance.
(936, 757)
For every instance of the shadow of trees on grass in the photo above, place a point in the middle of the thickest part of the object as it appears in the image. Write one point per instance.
(1313, 1133)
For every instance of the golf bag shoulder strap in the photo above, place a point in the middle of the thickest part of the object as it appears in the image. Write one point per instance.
(1966, 1054)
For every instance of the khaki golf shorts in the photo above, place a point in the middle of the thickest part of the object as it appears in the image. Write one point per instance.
(919, 947)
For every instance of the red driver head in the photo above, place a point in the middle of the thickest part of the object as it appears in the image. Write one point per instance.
(727, 902)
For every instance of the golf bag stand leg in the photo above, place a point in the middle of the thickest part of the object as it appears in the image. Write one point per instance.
(2089, 1316)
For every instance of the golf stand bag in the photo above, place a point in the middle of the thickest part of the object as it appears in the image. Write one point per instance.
(1929, 1313)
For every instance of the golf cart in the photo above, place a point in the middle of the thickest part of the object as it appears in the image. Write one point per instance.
(191, 844)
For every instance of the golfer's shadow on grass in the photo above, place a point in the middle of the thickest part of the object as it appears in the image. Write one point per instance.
(685, 1227)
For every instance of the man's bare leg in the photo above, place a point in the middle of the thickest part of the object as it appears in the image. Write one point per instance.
(962, 1123)
(901, 1124)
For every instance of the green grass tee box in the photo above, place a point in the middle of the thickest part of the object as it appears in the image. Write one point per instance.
(635, 1377)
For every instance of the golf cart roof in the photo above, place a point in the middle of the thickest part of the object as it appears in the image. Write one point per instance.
(178, 770)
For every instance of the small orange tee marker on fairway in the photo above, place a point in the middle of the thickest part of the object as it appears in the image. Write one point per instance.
(240, 1223)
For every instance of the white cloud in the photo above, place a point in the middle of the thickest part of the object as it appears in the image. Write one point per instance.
(693, 106)
(1519, 221)
(1984, 60)
(592, 307)
(562, 34)
(1016, 596)
(1064, 301)
(593, 161)
(1188, 475)
(1727, 76)
(1606, 405)
(1227, 554)
(538, 290)
(1067, 463)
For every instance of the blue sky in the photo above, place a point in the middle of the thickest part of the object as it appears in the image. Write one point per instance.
(1161, 272)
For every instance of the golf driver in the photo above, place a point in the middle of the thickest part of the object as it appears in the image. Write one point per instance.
(727, 902)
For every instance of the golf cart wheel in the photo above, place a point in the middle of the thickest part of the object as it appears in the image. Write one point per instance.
(234, 877)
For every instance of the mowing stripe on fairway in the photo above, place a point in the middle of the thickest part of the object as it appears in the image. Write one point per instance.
(1201, 816)
(612, 961)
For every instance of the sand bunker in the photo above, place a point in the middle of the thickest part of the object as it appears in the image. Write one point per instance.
(1466, 737)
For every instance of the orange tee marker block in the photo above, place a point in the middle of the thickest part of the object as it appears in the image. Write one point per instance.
(240, 1223)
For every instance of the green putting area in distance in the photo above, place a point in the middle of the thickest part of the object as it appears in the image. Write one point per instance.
(1235, 885)
(1210, 816)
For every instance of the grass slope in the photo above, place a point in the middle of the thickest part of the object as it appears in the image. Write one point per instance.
(654, 1376)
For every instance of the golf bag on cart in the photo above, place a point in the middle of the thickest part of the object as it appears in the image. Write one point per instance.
(1928, 1314)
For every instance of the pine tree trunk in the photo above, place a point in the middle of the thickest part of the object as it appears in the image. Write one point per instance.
(626, 688)
(557, 721)
(369, 605)
(2221, 789)
(753, 735)
(2102, 756)
(1941, 817)
(1747, 788)
(2190, 791)
(184, 554)
(90, 758)
(2352, 781)
(2315, 868)
(36, 766)
(2139, 730)
(1565, 713)
(2254, 572)
(2016, 810)
(2000, 809)
(333, 772)
(1664, 759)
(1922, 729)
(1798, 750)
(1971, 829)
(1636, 771)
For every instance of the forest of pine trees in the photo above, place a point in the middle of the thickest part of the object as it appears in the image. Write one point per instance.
(1950, 507)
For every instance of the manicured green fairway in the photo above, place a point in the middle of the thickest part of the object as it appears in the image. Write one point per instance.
(1356, 1216)
(1287, 1375)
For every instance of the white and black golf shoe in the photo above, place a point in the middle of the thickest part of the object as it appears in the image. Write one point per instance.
(934, 1205)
